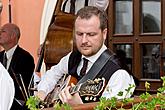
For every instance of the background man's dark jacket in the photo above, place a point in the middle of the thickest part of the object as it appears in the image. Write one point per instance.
(22, 63)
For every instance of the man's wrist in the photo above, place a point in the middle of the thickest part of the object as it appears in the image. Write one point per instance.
(41, 94)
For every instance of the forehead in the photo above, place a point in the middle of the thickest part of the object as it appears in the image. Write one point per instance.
(93, 18)
(92, 22)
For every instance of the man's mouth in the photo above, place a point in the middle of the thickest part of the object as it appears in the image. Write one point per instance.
(85, 47)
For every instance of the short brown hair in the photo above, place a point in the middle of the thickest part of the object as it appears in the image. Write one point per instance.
(88, 11)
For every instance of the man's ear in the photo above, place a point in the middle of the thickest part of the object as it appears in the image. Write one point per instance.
(105, 33)
(13, 36)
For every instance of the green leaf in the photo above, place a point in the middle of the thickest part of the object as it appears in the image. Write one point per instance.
(120, 93)
(33, 103)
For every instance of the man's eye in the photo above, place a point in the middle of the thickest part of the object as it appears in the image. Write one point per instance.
(80, 34)
(91, 34)
(2, 31)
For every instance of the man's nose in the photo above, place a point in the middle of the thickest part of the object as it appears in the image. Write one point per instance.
(84, 38)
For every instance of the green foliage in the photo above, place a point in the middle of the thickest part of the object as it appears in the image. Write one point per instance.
(145, 96)
(108, 104)
(66, 106)
(33, 103)
(148, 101)
(158, 100)
(59, 106)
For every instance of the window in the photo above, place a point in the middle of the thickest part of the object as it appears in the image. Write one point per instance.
(136, 27)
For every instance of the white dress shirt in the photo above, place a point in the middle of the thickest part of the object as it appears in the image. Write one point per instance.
(7, 89)
(119, 81)
(9, 55)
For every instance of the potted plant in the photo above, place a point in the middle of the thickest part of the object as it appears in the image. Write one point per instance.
(146, 101)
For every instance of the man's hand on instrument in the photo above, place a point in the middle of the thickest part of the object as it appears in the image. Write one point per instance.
(41, 95)
(66, 97)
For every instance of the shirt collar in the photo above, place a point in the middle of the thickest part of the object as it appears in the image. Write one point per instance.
(93, 58)
(10, 52)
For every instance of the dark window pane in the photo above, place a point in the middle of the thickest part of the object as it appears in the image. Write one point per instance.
(150, 61)
(151, 19)
(124, 53)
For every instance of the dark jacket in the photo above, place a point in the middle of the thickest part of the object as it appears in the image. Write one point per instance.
(22, 63)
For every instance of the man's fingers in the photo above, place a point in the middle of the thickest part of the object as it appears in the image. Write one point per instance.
(67, 93)
(61, 97)
(64, 95)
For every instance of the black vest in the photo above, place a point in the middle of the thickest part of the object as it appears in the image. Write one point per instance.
(109, 68)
